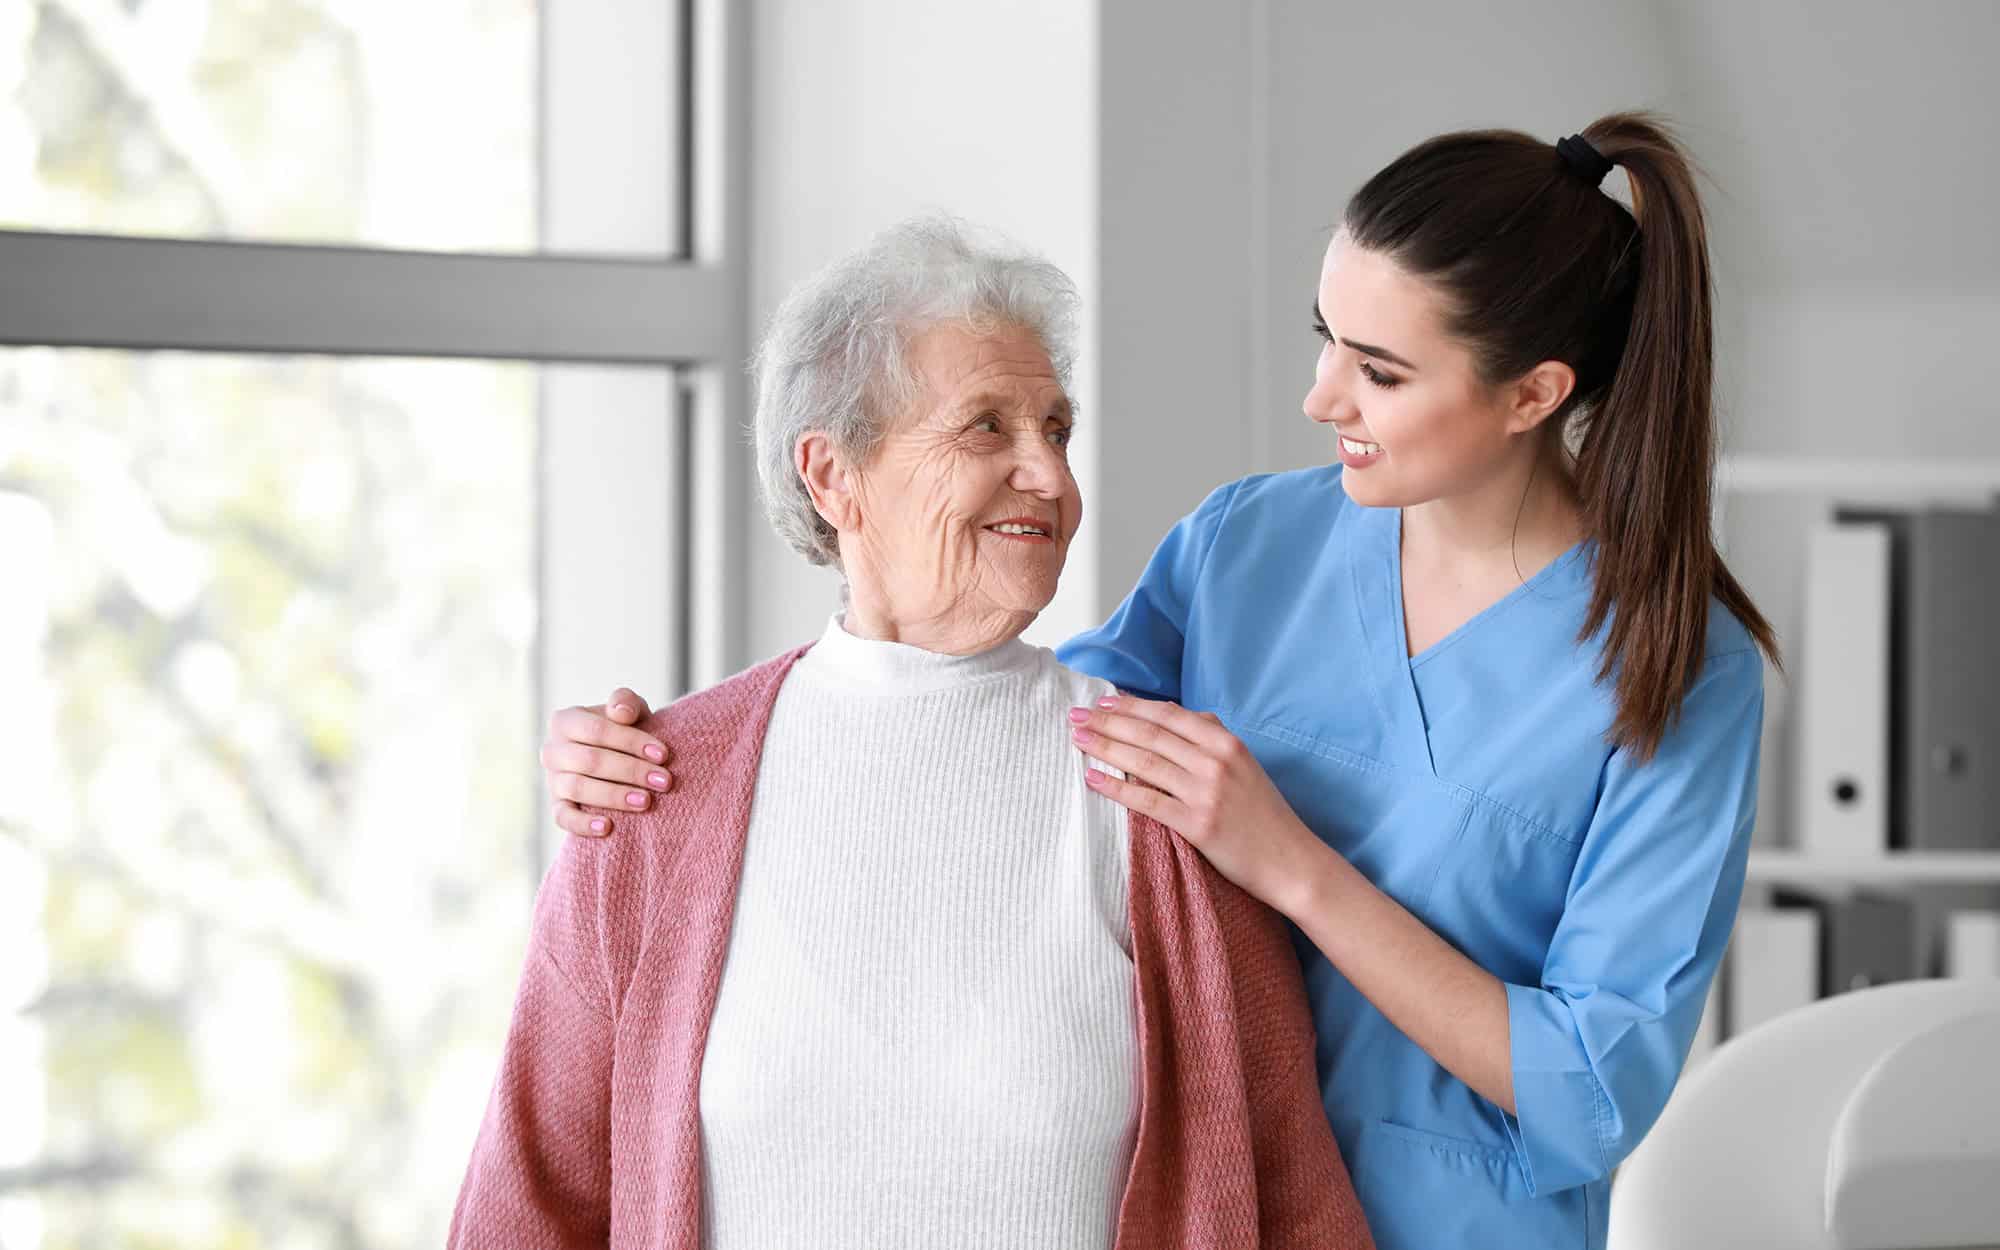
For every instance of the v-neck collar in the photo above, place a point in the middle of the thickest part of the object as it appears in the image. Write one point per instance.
(1378, 607)
(1378, 602)
(1472, 623)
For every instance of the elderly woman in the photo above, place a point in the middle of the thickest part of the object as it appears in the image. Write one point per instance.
(888, 973)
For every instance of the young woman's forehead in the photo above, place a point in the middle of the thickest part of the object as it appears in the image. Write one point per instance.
(1366, 295)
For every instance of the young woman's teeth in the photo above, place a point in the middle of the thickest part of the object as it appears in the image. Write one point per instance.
(1360, 449)
(1019, 529)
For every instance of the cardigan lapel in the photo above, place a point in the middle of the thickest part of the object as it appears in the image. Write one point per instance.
(718, 745)
(1234, 1151)
(1192, 1183)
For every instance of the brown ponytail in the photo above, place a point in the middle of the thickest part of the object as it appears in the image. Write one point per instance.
(1536, 263)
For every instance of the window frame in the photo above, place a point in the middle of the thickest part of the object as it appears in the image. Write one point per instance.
(687, 314)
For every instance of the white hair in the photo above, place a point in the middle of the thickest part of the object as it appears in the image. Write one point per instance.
(833, 358)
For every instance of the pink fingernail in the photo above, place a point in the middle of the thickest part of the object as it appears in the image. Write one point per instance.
(598, 825)
(657, 780)
(1079, 736)
(655, 754)
(1078, 715)
(623, 709)
(1109, 700)
(1093, 776)
(634, 799)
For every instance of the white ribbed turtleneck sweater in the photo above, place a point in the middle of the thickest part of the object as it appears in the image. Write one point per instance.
(924, 1035)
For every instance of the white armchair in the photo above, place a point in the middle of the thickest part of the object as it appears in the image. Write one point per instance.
(1866, 1121)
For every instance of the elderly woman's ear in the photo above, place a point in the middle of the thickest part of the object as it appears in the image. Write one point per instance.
(826, 480)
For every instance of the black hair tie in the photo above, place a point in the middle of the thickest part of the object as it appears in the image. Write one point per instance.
(1584, 160)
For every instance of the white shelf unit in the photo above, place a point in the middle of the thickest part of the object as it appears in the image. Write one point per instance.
(1929, 867)
(1891, 481)
(1945, 481)
(1956, 482)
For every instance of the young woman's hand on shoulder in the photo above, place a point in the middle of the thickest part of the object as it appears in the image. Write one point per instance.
(1185, 770)
(599, 765)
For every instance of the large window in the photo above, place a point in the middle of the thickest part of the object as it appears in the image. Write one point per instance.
(389, 125)
(311, 499)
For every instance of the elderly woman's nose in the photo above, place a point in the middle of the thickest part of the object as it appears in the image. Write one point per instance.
(1039, 467)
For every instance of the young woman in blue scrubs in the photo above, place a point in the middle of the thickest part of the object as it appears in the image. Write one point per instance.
(1477, 708)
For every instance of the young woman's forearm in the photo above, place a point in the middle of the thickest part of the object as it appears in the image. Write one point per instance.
(1451, 1007)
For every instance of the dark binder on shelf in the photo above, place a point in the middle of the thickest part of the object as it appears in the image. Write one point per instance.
(1864, 939)
(1944, 675)
(1951, 747)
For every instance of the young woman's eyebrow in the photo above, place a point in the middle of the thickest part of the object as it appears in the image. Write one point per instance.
(1380, 353)
(1366, 349)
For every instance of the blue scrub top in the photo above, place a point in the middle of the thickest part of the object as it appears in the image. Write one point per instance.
(1473, 784)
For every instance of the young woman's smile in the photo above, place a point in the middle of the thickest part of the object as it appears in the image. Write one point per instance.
(1358, 453)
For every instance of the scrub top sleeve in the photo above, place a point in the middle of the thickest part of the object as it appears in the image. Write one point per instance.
(1139, 649)
(1599, 1044)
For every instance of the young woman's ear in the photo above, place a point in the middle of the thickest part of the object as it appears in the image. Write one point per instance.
(826, 480)
(1536, 394)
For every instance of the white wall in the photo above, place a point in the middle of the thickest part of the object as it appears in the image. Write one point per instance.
(866, 111)
(1180, 195)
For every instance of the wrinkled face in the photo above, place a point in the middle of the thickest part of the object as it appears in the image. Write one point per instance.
(967, 506)
(1414, 420)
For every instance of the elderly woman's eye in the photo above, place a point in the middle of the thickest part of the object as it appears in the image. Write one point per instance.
(989, 423)
(1060, 436)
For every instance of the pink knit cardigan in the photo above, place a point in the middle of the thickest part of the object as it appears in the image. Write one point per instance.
(592, 1136)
